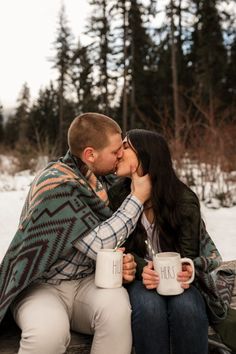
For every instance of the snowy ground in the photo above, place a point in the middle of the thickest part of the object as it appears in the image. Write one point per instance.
(221, 223)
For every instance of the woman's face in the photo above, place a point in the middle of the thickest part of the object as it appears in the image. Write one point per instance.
(128, 162)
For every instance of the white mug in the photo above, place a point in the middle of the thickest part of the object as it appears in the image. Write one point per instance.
(109, 268)
(168, 265)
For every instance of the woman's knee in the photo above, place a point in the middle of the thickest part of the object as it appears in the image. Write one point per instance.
(189, 305)
(146, 303)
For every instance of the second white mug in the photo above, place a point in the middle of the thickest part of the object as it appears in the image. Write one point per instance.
(168, 265)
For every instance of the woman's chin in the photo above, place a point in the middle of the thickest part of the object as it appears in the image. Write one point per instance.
(123, 171)
(122, 174)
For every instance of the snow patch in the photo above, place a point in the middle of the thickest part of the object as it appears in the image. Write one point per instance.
(220, 221)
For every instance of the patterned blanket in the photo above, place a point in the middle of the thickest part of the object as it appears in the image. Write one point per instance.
(60, 208)
(215, 284)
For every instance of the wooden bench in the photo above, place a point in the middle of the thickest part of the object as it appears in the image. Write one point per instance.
(81, 344)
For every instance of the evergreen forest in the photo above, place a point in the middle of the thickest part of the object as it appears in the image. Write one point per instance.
(168, 66)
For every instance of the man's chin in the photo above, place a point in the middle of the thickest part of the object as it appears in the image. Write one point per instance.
(113, 171)
(105, 172)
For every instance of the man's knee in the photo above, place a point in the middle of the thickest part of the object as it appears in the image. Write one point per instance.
(112, 321)
(114, 308)
(43, 320)
(45, 339)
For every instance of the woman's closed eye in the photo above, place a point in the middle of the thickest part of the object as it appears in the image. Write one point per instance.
(125, 145)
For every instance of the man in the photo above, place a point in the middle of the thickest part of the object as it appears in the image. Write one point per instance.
(47, 274)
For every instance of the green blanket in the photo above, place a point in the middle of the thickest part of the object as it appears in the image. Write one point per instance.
(216, 285)
(60, 208)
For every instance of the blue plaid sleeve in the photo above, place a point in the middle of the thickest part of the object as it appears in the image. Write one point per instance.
(117, 228)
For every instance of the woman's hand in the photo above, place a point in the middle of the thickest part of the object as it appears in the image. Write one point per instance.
(185, 275)
(150, 277)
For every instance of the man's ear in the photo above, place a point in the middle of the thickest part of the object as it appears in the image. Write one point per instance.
(89, 155)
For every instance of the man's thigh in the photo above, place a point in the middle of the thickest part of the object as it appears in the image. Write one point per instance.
(93, 304)
(41, 304)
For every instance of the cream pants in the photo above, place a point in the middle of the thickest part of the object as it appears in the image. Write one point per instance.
(46, 313)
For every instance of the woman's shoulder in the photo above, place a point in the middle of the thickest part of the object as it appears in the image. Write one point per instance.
(188, 196)
(188, 201)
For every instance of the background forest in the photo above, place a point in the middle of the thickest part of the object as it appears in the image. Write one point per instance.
(168, 66)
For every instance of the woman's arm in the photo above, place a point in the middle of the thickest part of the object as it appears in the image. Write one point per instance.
(189, 230)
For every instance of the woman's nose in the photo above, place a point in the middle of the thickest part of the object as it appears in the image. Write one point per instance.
(120, 153)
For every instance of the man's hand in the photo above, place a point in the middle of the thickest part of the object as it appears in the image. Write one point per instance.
(141, 187)
(150, 277)
(129, 268)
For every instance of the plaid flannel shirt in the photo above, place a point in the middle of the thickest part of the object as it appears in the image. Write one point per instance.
(80, 262)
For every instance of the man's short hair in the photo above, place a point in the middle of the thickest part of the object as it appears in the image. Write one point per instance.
(91, 129)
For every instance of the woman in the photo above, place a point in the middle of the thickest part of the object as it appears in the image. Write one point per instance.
(171, 222)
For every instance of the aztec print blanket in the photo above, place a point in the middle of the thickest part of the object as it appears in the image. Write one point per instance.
(60, 208)
(216, 286)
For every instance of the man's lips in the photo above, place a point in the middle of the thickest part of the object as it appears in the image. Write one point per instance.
(117, 165)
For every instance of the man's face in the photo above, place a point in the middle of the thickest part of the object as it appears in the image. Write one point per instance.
(107, 158)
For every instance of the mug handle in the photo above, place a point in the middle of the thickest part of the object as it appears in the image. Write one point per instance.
(188, 260)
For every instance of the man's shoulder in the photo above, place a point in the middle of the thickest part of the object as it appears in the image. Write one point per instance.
(56, 174)
(57, 169)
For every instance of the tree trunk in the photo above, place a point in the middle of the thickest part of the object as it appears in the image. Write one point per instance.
(61, 118)
(125, 99)
(174, 77)
(133, 103)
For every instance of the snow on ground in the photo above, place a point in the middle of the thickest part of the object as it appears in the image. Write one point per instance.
(10, 205)
(221, 223)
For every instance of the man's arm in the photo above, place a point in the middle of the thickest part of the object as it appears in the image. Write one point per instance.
(118, 227)
(129, 268)
(121, 224)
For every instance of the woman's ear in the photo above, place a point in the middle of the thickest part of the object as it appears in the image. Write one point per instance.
(89, 155)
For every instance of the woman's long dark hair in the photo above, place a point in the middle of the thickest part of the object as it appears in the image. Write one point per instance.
(154, 155)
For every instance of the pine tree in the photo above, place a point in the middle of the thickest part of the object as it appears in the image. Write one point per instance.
(174, 75)
(132, 47)
(43, 118)
(98, 29)
(63, 46)
(231, 83)
(157, 75)
(82, 80)
(16, 129)
(1, 125)
(141, 45)
(22, 114)
(11, 133)
(210, 59)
